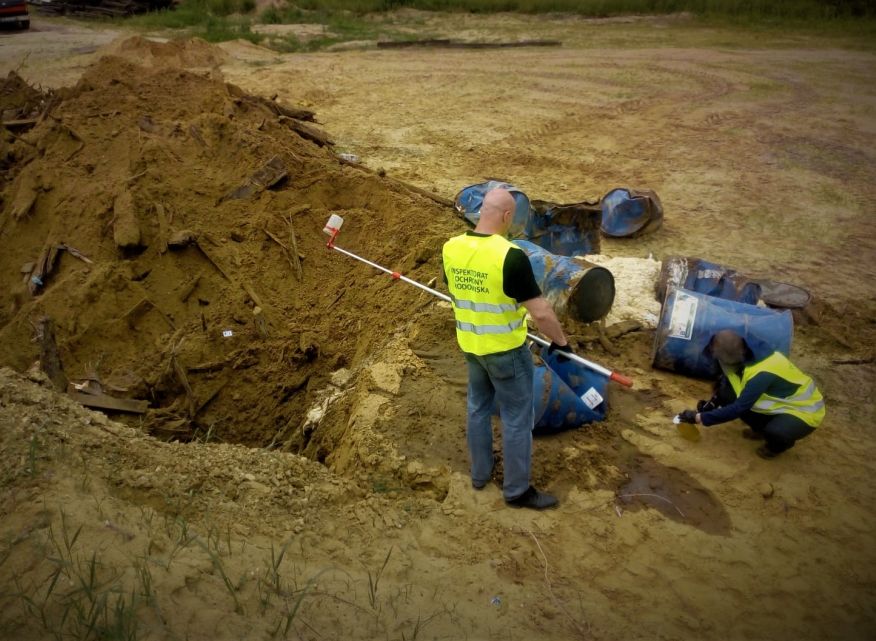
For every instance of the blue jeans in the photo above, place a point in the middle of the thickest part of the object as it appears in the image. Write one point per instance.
(505, 378)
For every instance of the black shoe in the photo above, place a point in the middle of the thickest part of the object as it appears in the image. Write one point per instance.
(533, 499)
(751, 435)
(766, 453)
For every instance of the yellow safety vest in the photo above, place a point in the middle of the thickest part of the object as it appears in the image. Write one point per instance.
(487, 321)
(806, 403)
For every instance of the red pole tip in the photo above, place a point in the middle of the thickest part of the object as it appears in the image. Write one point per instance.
(620, 378)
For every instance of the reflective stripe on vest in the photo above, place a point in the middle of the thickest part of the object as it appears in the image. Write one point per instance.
(488, 329)
(806, 403)
(461, 303)
(487, 321)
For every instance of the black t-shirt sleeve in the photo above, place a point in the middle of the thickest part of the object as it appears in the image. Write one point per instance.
(518, 281)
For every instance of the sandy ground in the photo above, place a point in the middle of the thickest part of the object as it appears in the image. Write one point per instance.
(763, 158)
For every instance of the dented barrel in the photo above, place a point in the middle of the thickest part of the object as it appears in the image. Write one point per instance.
(630, 212)
(566, 395)
(567, 230)
(689, 319)
(469, 200)
(705, 277)
(572, 285)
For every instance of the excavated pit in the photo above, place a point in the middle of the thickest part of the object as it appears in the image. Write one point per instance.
(170, 226)
(150, 211)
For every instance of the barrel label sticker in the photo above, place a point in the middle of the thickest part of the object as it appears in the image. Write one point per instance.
(591, 398)
(684, 313)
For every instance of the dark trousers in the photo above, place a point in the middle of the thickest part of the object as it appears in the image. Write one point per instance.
(781, 431)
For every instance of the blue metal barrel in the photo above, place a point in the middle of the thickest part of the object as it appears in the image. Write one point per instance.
(469, 200)
(627, 212)
(689, 319)
(567, 230)
(709, 278)
(572, 285)
(567, 395)
(701, 276)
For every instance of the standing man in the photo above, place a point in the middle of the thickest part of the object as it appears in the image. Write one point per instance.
(779, 403)
(492, 286)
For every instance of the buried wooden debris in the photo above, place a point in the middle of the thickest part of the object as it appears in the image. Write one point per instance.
(45, 265)
(163, 228)
(283, 246)
(269, 106)
(20, 124)
(75, 253)
(211, 366)
(213, 260)
(50, 361)
(307, 132)
(141, 307)
(182, 238)
(180, 373)
(260, 323)
(189, 288)
(37, 273)
(252, 295)
(293, 244)
(90, 394)
(269, 175)
(107, 402)
(210, 396)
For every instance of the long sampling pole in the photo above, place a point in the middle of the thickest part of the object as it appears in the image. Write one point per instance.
(333, 228)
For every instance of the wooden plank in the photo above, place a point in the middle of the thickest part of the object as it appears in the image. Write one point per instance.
(106, 402)
(307, 132)
(293, 244)
(180, 372)
(50, 360)
(163, 228)
(189, 288)
(25, 123)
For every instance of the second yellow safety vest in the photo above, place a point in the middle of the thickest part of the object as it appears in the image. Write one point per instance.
(806, 403)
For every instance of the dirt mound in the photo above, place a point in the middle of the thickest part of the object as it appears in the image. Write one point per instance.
(19, 100)
(160, 218)
(187, 54)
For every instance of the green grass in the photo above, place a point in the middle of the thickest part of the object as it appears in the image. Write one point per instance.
(212, 20)
(798, 9)
(772, 21)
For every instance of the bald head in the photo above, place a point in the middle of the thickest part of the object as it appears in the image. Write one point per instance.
(497, 212)
(728, 347)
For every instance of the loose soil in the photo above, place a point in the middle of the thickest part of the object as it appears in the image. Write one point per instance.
(313, 482)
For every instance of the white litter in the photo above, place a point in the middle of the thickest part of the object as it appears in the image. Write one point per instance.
(634, 282)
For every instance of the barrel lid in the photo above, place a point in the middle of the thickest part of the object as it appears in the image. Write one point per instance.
(592, 296)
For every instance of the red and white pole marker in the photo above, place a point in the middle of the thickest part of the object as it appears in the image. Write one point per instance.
(333, 228)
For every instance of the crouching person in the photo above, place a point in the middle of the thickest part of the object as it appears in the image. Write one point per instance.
(778, 402)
